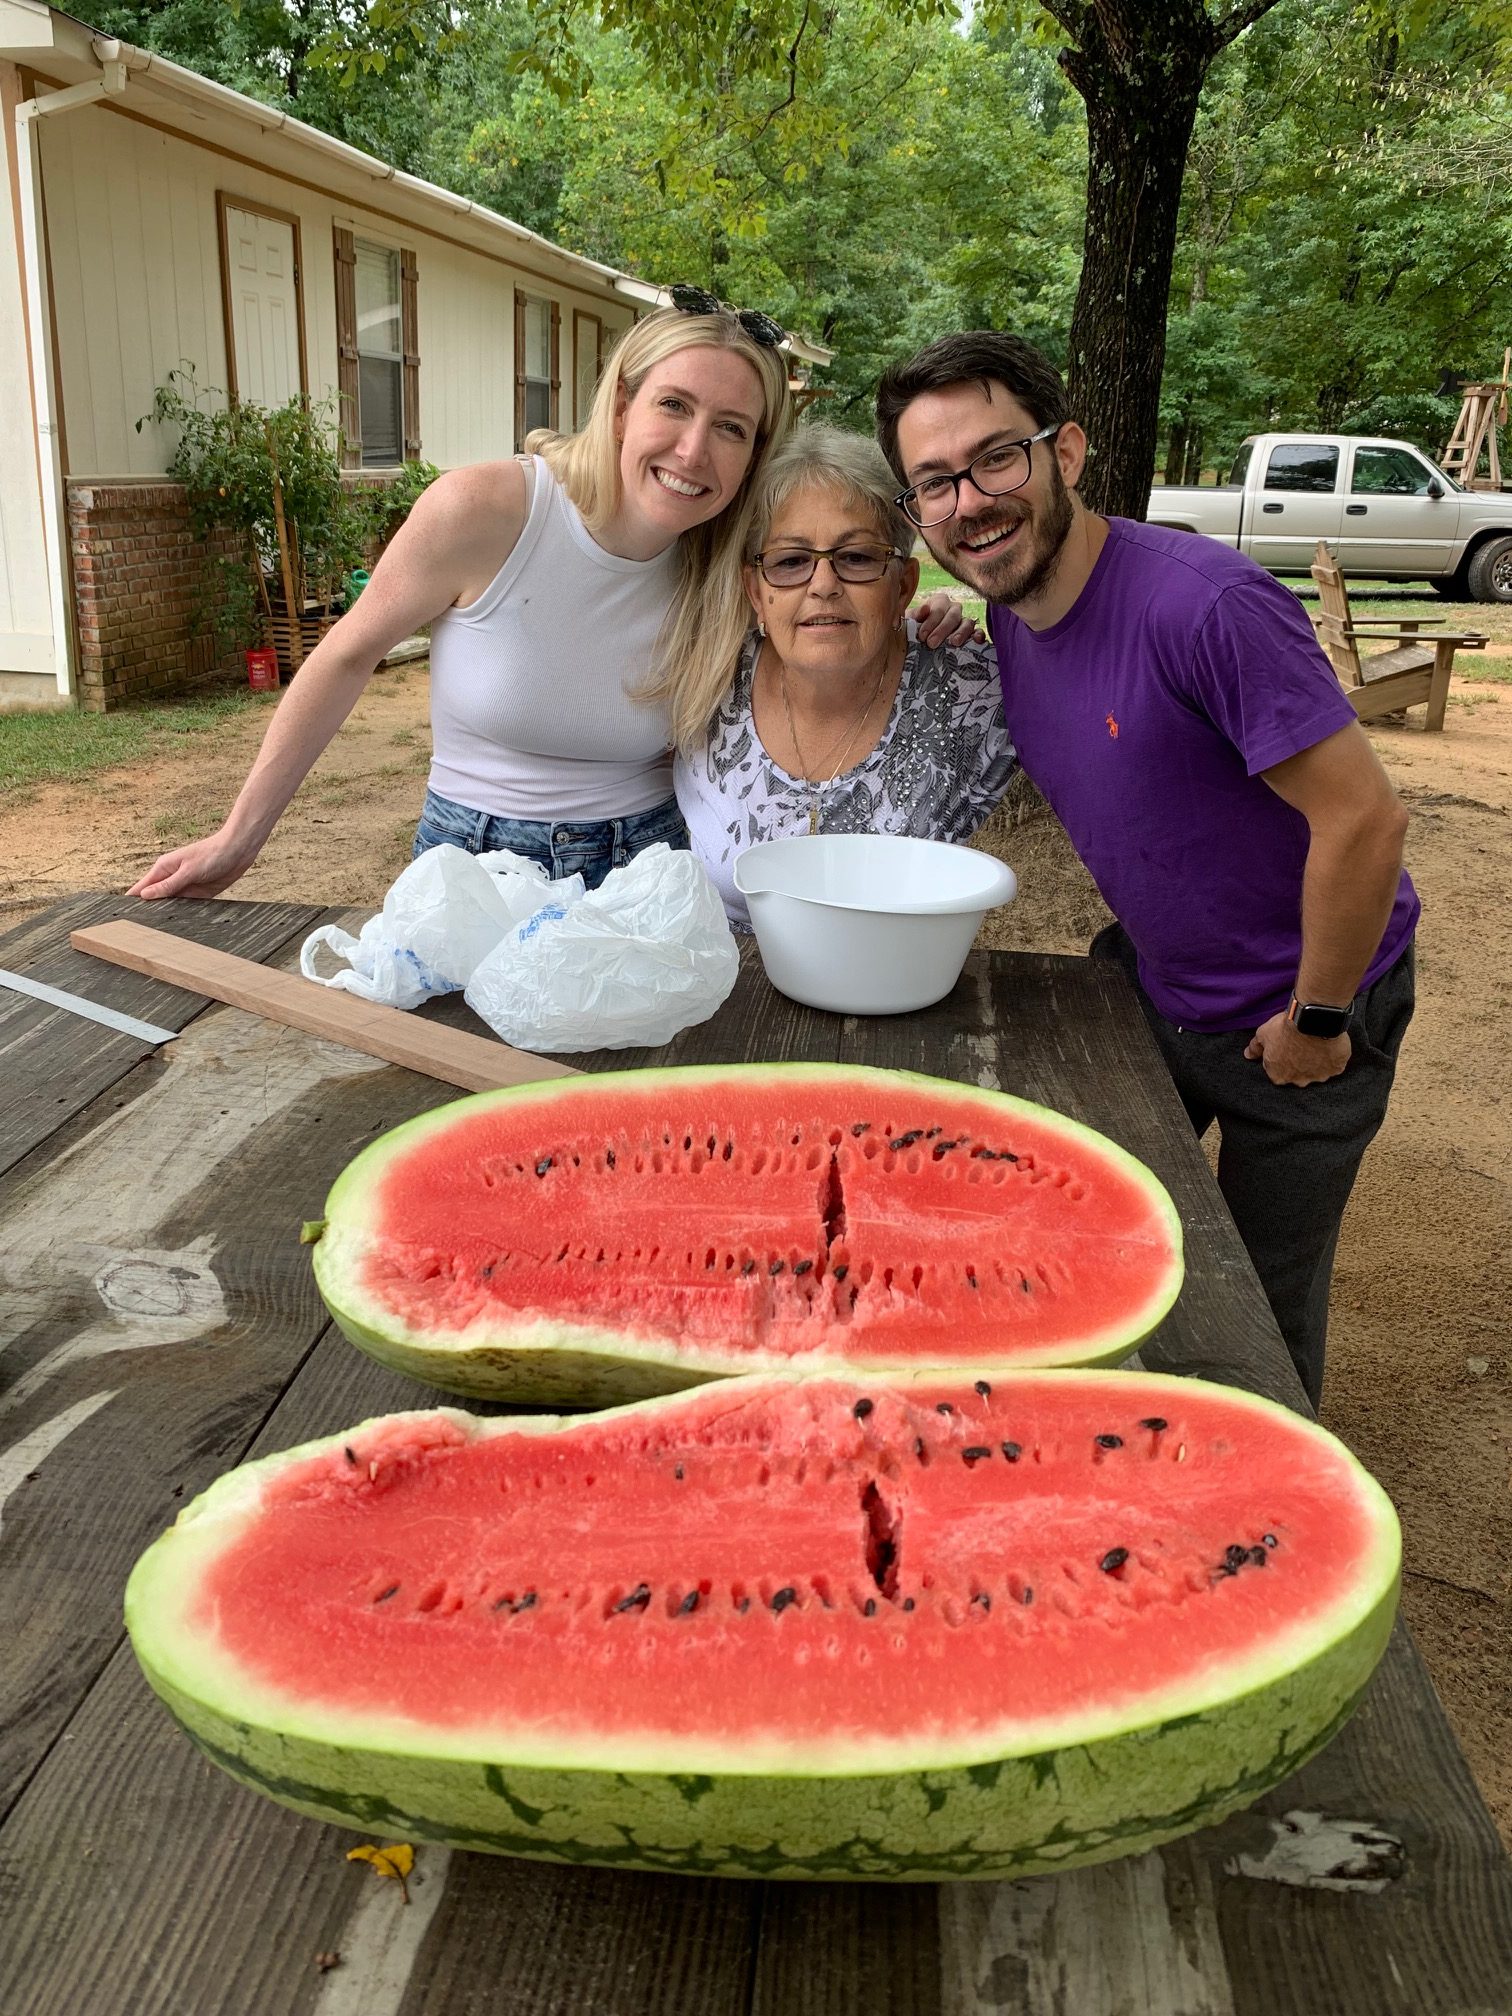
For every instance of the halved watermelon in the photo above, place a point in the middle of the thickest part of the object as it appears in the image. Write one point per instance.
(618, 1236)
(782, 1626)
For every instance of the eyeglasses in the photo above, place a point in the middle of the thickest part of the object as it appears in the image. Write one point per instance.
(762, 329)
(996, 471)
(793, 566)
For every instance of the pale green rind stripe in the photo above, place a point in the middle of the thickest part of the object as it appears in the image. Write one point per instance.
(1017, 1816)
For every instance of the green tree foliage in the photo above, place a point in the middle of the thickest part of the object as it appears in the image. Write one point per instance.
(1347, 199)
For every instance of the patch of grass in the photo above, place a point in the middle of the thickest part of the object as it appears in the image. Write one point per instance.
(402, 737)
(43, 748)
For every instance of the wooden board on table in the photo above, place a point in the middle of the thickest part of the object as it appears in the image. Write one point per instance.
(476, 1063)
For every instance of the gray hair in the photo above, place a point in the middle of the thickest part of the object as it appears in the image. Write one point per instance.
(827, 458)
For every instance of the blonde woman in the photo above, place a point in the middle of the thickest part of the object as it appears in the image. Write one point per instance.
(844, 713)
(567, 591)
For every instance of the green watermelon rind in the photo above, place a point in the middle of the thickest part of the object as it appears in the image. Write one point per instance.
(1007, 1804)
(549, 1361)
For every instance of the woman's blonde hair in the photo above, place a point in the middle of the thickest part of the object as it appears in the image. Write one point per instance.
(709, 612)
(814, 457)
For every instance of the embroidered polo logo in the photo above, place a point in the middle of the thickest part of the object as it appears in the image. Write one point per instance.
(1112, 728)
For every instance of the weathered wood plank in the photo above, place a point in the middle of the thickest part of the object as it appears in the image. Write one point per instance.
(54, 1062)
(154, 1301)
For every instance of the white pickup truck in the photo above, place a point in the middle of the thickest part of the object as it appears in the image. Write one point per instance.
(1383, 507)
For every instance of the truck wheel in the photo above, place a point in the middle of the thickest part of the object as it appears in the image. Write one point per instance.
(1489, 575)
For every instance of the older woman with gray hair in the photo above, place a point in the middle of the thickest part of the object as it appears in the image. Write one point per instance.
(839, 718)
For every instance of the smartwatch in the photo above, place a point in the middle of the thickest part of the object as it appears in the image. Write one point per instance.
(1314, 1018)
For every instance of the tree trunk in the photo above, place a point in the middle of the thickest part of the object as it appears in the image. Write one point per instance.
(1140, 69)
(1175, 460)
(1194, 457)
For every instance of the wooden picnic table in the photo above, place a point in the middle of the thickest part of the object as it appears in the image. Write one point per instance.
(160, 1324)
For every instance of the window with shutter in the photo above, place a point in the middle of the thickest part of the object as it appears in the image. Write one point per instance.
(380, 355)
(409, 282)
(537, 367)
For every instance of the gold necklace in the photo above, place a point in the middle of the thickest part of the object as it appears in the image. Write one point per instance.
(820, 786)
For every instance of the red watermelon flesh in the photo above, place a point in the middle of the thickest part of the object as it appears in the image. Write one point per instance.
(798, 1571)
(696, 1222)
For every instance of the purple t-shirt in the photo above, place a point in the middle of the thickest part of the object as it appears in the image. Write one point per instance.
(1145, 717)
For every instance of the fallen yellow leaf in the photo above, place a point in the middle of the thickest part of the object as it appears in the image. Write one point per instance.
(395, 1861)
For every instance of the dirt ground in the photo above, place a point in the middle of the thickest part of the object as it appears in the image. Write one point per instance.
(1419, 1365)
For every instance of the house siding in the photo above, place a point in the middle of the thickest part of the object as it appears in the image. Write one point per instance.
(136, 275)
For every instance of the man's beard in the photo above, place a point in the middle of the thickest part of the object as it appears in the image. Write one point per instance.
(1025, 569)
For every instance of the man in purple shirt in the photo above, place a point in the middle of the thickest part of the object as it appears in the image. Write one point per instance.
(1170, 701)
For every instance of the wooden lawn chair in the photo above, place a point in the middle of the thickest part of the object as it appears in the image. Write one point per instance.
(1385, 682)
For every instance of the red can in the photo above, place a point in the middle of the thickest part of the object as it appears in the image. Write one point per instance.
(262, 670)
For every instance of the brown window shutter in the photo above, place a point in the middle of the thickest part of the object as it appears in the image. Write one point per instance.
(556, 365)
(409, 302)
(346, 347)
(519, 366)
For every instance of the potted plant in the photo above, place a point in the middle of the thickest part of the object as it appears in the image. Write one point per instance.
(292, 532)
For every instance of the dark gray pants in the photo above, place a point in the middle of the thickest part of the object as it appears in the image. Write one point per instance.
(1289, 1153)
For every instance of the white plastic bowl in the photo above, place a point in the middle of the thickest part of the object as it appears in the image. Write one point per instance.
(867, 923)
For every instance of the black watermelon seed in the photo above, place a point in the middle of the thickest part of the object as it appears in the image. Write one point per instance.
(351, 1453)
(983, 1599)
(869, 1607)
(543, 1166)
(527, 1601)
(782, 1599)
(638, 1598)
(861, 1127)
(1153, 1422)
(972, 1282)
(776, 1267)
(1257, 1556)
(919, 1447)
(392, 1590)
(1012, 1451)
(984, 1389)
(504, 1603)
(688, 1603)
(974, 1455)
(1235, 1557)
(486, 1273)
(678, 1473)
(930, 1132)
(1028, 1596)
(1223, 1569)
(908, 1602)
(1024, 1283)
(609, 1157)
(905, 1140)
(743, 1605)
(749, 1267)
(1269, 1539)
(841, 1272)
(943, 1407)
(1110, 1441)
(804, 1267)
(1114, 1558)
(862, 1408)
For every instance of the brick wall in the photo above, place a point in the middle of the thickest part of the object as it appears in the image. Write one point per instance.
(140, 588)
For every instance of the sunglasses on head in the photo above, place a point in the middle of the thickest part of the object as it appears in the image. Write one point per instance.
(762, 329)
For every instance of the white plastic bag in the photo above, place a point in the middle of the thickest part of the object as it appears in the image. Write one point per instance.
(440, 918)
(646, 954)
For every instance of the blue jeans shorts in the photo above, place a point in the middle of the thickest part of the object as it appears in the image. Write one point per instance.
(586, 847)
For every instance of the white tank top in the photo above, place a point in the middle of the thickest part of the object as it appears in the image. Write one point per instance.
(531, 708)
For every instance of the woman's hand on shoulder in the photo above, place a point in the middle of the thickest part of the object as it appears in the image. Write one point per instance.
(941, 620)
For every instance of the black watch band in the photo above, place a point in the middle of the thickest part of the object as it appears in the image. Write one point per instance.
(1316, 1018)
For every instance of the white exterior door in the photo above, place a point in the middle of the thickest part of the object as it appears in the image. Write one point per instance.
(263, 286)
